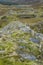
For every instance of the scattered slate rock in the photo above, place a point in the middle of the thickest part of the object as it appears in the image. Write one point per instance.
(27, 56)
(34, 40)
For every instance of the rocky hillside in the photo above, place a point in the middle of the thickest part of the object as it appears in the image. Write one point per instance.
(19, 44)
(21, 35)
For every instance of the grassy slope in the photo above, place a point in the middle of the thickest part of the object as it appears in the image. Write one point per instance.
(5, 9)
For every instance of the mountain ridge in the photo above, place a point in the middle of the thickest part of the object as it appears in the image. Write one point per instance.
(13, 2)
